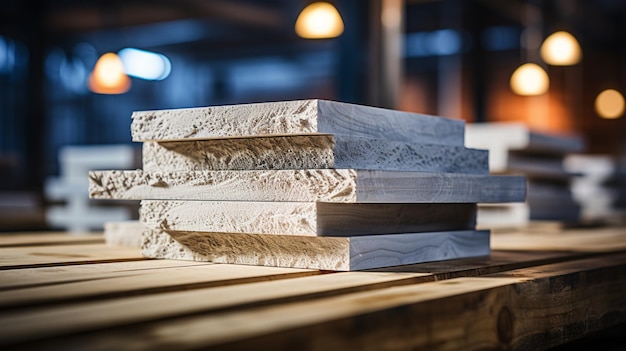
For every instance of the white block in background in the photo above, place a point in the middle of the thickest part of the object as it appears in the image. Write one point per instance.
(79, 214)
(505, 215)
(594, 189)
(502, 137)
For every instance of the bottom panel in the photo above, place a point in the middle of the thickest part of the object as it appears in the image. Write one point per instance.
(327, 253)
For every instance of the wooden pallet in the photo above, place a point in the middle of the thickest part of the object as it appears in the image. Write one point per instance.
(69, 294)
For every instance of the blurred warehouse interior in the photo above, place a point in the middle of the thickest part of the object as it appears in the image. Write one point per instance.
(452, 58)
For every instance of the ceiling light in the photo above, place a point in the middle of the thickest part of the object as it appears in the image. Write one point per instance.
(530, 79)
(561, 49)
(610, 104)
(108, 76)
(319, 20)
(145, 64)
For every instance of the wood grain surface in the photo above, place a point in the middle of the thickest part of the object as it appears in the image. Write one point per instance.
(49, 238)
(526, 297)
(42, 256)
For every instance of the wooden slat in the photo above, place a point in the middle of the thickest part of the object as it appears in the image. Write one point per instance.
(532, 308)
(48, 238)
(42, 256)
(31, 277)
(110, 285)
(295, 117)
(29, 325)
(120, 312)
(608, 239)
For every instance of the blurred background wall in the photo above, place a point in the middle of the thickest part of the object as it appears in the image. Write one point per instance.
(452, 58)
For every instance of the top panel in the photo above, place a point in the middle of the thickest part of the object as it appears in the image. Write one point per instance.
(293, 118)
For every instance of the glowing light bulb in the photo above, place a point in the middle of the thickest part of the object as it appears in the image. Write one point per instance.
(529, 79)
(561, 49)
(610, 104)
(319, 20)
(108, 76)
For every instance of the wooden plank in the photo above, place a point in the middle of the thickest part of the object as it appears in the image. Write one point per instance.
(42, 256)
(145, 281)
(32, 277)
(337, 185)
(58, 320)
(305, 218)
(608, 239)
(328, 253)
(125, 233)
(529, 308)
(311, 152)
(294, 117)
(48, 238)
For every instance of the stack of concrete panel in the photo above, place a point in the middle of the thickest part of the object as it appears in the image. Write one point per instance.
(308, 184)
(516, 149)
(598, 187)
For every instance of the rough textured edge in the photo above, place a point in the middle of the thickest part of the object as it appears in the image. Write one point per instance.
(337, 185)
(293, 152)
(311, 152)
(258, 119)
(258, 250)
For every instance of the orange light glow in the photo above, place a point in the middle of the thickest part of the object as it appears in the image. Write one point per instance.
(610, 104)
(108, 76)
(561, 49)
(530, 79)
(319, 20)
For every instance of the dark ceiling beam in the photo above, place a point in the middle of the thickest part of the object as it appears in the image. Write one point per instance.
(243, 13)
(72, 16)
(512, 9)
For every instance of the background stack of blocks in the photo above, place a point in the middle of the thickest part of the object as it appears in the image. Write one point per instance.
(516, 149)
(599, 188)
(307, 184)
